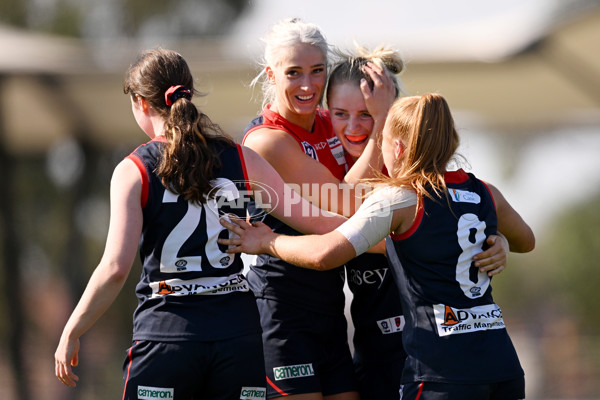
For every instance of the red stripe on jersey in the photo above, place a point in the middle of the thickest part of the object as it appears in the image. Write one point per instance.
(243, 162)
(145, 185)
(420, 390)
(414, 225)
(490, 192)
(281, 392)
(128, 369)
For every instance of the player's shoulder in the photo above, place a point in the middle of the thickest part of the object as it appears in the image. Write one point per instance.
(269, 138)
(392, 193)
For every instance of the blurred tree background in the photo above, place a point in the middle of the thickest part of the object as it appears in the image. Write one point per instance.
(123, 18)
(54, 209)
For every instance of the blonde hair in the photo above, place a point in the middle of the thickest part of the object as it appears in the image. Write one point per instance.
(284, 34)
(349, 67)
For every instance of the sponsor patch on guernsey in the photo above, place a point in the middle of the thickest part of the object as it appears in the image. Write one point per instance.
(253, 393)
(391, 325)
(216, 285)
(464, 196)
(293, 371)
(309, 150)
(337, 150)
(154, 393)
(452, 321)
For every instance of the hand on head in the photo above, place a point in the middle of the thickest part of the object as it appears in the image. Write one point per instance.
(380, 98)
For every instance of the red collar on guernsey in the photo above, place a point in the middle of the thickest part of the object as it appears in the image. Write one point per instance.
(455, 176)
(458, 176)
(274, 116)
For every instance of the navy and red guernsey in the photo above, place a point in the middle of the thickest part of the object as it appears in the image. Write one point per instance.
(378, 321)
(376, 308)
(190, 288)
(454, 331)
(273, 278)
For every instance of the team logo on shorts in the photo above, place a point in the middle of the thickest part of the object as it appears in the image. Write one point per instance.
(391, 325)
(293, 371)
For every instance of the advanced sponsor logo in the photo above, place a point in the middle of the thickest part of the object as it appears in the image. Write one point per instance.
(154, 393)
(164, 289)
(391, 325)
(293, 371)
(204, 286)
(464, 196)
(450, 320)
(253, 393)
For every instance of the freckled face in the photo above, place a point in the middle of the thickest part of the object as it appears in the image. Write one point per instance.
(299, 76)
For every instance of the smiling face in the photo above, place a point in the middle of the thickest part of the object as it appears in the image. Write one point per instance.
(299, 77)
(350, 118)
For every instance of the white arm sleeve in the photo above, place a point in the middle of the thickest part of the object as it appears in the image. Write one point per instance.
(372, 221)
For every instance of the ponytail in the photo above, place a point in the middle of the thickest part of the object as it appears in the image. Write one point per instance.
(425, 126)
(190, 157)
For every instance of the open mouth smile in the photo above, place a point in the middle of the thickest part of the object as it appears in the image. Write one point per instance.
(305, 98)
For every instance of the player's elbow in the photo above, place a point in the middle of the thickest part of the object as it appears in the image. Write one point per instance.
(322, 260)
(325, 265)
(529, 246)
(115, 271)
(525, 245)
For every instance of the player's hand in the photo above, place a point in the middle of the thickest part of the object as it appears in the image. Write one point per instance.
(493, 260)
(252, 238)
(66, 357)
(379, 99)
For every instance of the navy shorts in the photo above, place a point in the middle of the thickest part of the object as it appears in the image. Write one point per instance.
(379, 377)
(508, 390)
(230, 369)
(305, 352)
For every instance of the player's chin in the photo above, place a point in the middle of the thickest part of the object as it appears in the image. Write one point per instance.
(355, 149)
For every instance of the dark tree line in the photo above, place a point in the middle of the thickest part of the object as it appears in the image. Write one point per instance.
(128, 18)
(36, 213)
